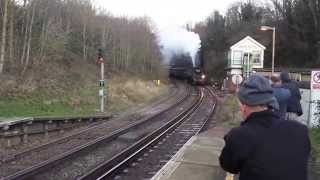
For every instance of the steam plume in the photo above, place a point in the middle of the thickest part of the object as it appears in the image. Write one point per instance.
(177, 40)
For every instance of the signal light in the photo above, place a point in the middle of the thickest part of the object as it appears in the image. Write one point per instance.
(100, 57)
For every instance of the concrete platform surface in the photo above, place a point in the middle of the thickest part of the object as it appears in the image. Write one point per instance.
(198, 159)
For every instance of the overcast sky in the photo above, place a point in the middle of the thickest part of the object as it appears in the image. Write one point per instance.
(166, 12)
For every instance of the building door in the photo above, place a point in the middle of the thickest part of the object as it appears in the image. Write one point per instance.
(247, 64)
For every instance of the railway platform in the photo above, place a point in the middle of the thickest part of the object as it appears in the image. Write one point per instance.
(197, 159)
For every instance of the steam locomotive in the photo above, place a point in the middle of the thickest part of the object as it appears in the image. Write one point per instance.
(198, 77)
(182, 67)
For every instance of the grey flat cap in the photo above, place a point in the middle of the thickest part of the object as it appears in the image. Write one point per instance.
(257, 91)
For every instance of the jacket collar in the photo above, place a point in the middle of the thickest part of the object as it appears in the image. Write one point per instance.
(276, 86)
(264, 118)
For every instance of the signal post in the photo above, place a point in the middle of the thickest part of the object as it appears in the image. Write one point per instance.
(101, 81)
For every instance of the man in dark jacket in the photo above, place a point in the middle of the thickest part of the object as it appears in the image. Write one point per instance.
(294, 108)
(265, 147)
(282, 95)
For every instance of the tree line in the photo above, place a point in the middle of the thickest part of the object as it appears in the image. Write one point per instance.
(35, 33)
(297, 24)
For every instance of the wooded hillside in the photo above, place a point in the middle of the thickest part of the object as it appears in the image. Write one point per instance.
(43, 40)
(297, 24)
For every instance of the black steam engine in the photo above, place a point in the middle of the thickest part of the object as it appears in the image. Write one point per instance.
(182, 67)
(198, 77)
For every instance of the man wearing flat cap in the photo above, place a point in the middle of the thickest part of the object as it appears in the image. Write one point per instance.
(265, 147)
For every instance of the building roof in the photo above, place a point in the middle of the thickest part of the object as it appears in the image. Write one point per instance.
(250, 39)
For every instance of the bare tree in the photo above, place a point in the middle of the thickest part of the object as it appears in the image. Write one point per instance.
(44, 31)
(29, 37)
(25, 33)
(4, 36)
(11, 31)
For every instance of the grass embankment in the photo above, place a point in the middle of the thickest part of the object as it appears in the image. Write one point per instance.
(123, 93)
(315, 141)
(227, 114)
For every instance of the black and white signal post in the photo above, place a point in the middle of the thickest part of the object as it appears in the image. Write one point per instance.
(101, 81)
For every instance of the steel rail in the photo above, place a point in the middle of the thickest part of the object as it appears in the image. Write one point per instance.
(36, 148)
(212, 110)
(33, 170)
(20, 154)
(169, 144)
(113, 165)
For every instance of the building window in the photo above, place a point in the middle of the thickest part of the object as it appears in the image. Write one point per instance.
(229, 58)
(237, 57)
(256, 57)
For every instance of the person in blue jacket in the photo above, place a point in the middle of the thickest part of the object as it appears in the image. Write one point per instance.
(264, 147)
(294, 108)
(282, 95)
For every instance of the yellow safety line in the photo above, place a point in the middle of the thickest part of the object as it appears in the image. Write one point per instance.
(229, 176)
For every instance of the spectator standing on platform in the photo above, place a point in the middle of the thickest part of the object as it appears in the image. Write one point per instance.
(265, 147)
(294, 108)
(282, 95)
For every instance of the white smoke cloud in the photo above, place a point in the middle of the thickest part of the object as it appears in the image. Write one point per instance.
(176, 40)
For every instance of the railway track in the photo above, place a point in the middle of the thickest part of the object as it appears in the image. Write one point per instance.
(42, 166)
(13, 154)
(133, 117)
(144, 158)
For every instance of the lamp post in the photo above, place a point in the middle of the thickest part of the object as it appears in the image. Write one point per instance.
(267, 28)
